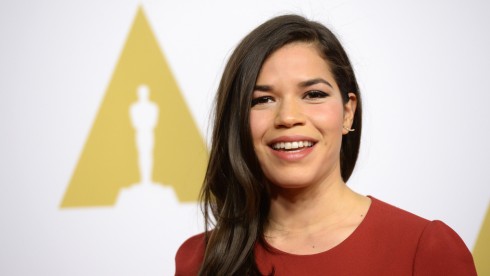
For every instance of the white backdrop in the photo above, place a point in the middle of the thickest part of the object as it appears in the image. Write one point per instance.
(423, 69)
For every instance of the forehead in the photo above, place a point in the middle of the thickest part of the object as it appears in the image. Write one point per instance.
(306, 49)
(298, 60)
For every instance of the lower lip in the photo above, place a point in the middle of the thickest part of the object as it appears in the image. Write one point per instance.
(291, 156)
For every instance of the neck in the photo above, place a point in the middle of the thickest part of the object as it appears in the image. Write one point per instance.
(311, 208)
(313, 219)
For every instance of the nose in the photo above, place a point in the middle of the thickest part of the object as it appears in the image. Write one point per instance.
(289, 114)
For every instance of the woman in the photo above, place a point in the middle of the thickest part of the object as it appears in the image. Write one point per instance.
(285, 141)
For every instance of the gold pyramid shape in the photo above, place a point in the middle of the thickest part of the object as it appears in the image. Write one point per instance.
(481, 252)
(108, 161)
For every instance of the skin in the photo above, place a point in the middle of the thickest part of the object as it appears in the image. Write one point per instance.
(297, 99)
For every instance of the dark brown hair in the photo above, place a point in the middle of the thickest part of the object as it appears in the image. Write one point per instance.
(235, 193)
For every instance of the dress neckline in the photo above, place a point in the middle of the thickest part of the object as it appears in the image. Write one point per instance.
(351, 238)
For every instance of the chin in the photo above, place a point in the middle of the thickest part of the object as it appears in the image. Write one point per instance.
(291, 183)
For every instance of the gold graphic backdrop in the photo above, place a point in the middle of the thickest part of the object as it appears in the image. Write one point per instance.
(108, 161)
(481, 252)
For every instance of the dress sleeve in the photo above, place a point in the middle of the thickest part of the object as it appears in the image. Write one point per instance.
(189, 256)
(441, 251)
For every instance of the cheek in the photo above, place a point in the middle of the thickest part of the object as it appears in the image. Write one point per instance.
(258, 125)
(328, 117)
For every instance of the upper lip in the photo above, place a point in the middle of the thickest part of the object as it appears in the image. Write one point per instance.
(291, 138)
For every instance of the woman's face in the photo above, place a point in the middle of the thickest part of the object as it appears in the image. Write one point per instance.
(297, 118)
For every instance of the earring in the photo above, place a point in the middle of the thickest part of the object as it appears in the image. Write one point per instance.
(349, 129)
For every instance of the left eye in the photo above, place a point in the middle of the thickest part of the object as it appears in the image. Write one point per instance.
(315, 94)
(262, 100)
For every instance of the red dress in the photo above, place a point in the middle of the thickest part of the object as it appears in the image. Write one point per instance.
(389, 241)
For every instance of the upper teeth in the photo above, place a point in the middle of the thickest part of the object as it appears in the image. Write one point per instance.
(292, 145)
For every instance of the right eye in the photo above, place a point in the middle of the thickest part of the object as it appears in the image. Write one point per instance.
(262, 100)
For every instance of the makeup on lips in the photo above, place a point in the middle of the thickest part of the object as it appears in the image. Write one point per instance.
(292, 148)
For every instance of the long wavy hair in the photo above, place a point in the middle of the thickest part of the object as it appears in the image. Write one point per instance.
(235, 194)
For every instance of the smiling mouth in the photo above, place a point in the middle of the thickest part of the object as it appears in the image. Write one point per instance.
(292, 146)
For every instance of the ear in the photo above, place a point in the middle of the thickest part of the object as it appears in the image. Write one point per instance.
(349, 111)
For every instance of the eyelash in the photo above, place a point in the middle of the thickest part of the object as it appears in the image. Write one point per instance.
(315, 94)
(309, 95)
(261, 100)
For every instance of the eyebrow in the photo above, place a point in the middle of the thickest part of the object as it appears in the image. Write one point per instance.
(313, 82)
(263, 88)
(268, 88)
